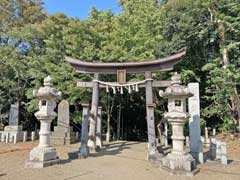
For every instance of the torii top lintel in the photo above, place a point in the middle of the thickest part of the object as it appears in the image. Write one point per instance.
(163, 64)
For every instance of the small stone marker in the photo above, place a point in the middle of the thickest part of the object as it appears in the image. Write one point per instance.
(77, 136)
(7, 138)
(14, 139)
(218, 149)
(214, 132)
(33, 135)
(207, 140)
(99, 128)
(24, 136)
(223, 149)
(187, 141)
(166, 133)
(213, 148)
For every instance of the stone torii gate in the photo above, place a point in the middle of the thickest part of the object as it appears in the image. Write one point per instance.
(121, 69)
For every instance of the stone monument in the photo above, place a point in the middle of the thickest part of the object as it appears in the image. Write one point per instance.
(44, 154)
(63, 133)
(13, 132)
(194, 123)
(178, 161)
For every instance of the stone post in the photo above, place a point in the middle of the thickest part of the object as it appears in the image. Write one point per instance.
(214, 132)
(84, 151)
(223, 149)
(153, 154)
(99, 128)
(77, 136)
(178, 161)
(207, 140)
(44, 154)
(194, 122)
(93, 116)
(24, 136)
(187, 141)
(33, 135)
(165, 133)
(7, 138)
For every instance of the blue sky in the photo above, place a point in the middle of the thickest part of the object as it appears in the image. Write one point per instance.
(79, 8)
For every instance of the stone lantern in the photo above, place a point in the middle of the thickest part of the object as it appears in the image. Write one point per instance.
(178, 161)
(44, 154)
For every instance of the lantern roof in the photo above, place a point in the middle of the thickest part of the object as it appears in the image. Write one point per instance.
(176, 90)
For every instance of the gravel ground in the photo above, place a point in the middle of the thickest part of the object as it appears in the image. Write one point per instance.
(116, 161)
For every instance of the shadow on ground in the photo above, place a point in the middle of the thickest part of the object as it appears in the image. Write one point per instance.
(108, 149)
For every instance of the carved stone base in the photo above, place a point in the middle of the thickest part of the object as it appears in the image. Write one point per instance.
(41, 157)
(63, 136)
(180, 164)
(39, 164)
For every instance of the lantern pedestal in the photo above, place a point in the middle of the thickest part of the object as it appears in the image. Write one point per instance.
(44, 154)
(42, 157)
(178, 162)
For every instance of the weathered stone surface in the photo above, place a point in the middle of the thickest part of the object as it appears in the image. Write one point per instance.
(25, 137)
(13, 132)
(44, 154)
(13, 128)
(63, 136)
(14, 115)
(207, 140)
(63, 114)
(84, 151)
(93, 113)
(63, 133)
(178, 161)
(223, 149)
(218, 151)
(181, 165)
(33, 136)
(194, 121)
(99, 128)
(187, 141)
(153, 154)
(165, 133)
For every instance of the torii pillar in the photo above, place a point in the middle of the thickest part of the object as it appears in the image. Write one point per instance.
(153, 154)
(93, 116)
